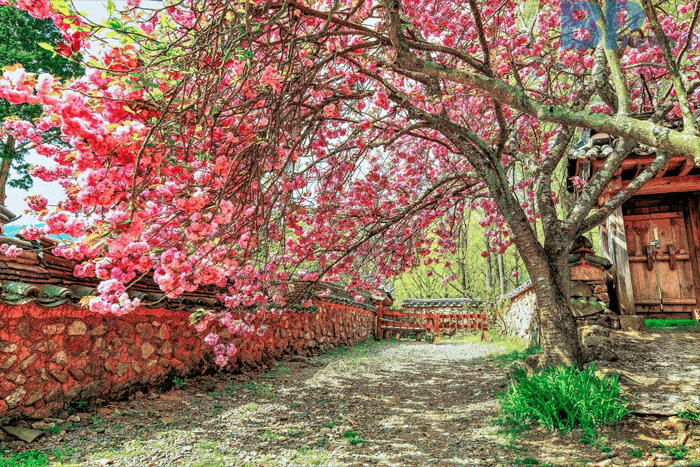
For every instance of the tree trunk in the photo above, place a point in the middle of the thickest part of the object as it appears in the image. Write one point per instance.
(8, 151)
(550, 279)
(501, 277)
(549, 273)
(488, 266)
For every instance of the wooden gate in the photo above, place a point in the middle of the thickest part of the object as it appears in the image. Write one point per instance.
(661, 264)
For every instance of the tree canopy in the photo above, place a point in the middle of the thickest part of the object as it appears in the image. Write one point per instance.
(20, 36)
(247, 145)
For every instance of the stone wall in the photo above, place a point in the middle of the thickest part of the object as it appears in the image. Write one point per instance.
(518, 317)
(52, 357)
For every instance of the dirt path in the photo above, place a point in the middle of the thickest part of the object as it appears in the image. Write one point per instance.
(660, 369)
(379, 404)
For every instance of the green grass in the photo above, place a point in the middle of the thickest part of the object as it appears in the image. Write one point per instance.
(352, 437)
(669, 323)
(25, 459)
(329, 425)
(179, 382)
(678, 452)
(562, 399)
(507, 359)
(638, 453)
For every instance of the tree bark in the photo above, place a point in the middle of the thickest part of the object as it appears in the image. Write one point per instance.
(8, 150)
(488, 266)
(501, 277)
(549, 274)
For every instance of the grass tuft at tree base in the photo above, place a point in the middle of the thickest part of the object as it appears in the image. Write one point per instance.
(562, 398)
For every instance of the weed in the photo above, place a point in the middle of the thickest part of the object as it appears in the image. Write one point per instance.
(563, 398)
(78, 405)
(507, 359)
(252, 407)
(269, 392)
(267, 435)
(690, 415)
(60, 453)
(25, 459)
(118, 426)
(526, 461)
(638, 453)
(678, 451)
(53, 429)
(352, 437)
(329, 425)
(230, 389)
(179, 382)
(207, 446)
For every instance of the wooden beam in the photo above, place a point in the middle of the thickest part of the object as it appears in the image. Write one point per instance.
(657, 186)
(617, 246)
(660, 173)
(687, 167)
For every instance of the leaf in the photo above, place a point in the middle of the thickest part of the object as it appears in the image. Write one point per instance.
(83, 303)
(61, 6)
(46, 46)
(110, 7)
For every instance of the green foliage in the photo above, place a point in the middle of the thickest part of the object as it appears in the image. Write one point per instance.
(669, 323)
(329, 425)
(20, 35)
(677, 451)
(507, 359)
(25, 459)
(179, 382)
(638, 453)
(352, 437)
(690, 415)
(563, 398)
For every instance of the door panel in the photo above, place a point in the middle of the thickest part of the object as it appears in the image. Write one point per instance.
(662, 276)
(644, 284)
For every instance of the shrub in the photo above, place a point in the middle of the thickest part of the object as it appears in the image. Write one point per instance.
(563, 398)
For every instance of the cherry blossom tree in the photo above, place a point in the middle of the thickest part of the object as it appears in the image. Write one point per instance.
(245, 145)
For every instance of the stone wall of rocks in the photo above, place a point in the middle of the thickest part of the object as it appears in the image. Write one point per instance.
(519, 316)
(52, 357)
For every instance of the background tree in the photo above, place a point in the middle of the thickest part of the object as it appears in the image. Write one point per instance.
(20, 36)
(231, 146)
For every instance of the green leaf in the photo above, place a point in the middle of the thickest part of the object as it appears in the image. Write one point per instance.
(110, 7)
(61, 6)
(46, 46)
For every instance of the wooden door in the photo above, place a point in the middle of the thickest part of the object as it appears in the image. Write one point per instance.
(660, 264)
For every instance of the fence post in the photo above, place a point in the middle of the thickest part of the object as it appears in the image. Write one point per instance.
(436, 339)
(380, 313)
(484, 328)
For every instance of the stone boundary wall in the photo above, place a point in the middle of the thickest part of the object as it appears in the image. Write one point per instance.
(520, 314)
(52, 357)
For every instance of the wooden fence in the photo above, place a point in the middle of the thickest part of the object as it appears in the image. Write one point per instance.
(390, 321)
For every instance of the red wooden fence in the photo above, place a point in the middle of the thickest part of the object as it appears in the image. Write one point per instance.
(395, 321)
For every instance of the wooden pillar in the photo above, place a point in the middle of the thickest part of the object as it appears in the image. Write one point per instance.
(436, 323)
(613, 242)
(378, 328)
(692, 222)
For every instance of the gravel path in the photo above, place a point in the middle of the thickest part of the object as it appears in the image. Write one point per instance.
(378, 404)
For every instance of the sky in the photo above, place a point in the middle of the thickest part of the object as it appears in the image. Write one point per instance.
(96, 11)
